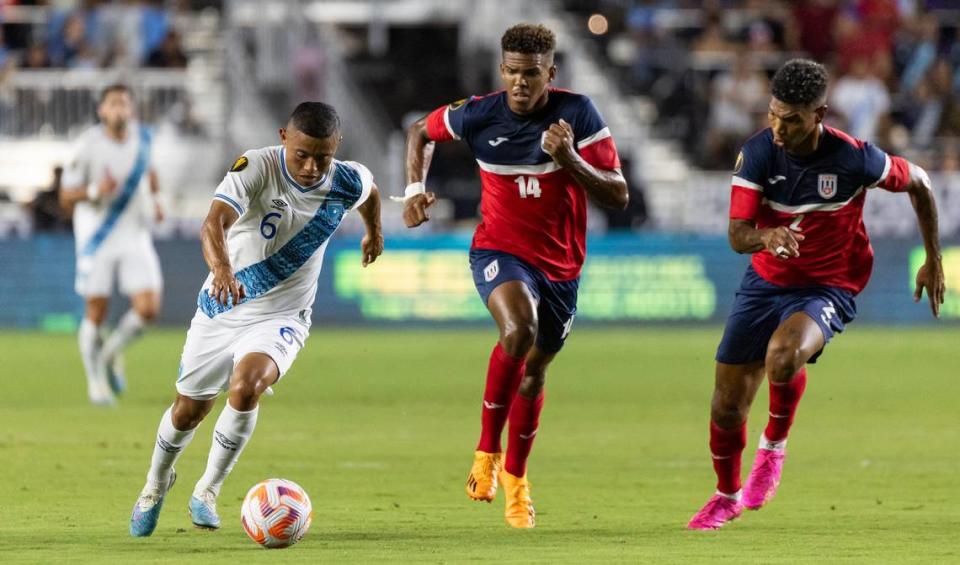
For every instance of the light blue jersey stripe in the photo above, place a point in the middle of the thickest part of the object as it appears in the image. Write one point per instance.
(233, 203)
(259, 278)
(123, 199)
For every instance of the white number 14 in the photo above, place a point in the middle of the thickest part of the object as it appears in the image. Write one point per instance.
(529, 186)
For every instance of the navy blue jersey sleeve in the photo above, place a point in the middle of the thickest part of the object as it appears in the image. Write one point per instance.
(875, 164)
(588, 122)
(753, 162)
(450, 121)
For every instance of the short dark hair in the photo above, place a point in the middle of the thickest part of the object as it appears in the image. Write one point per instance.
(528, 38)
(115, 87)
(315, 119)
(801, 82)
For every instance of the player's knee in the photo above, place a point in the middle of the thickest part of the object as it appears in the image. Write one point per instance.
(532, 385)
(245, 393)
(187, 415)
(246, 389)
(518, 337)
(148, 313)
(728, 412)
(782, 361)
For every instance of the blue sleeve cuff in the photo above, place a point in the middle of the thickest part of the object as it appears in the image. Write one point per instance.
(233, 203)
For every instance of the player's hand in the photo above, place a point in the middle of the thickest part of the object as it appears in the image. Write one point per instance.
(558, 142)
(415, 209)
(782, 242)
(107, 185)
(158, 213)
(225, 286)
(930, 277)
(371, 247)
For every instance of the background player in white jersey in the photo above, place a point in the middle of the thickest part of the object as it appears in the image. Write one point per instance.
(111, 186)
(264, 240)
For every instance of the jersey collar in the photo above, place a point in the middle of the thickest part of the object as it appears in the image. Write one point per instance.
(289, 178)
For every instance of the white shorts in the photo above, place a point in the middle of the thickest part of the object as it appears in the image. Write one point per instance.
(136, 265)
(215, 346)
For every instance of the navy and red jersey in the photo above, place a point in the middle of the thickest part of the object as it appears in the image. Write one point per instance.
(821, 196)
(531, 207)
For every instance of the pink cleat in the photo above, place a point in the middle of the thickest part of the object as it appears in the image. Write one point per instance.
(764, 478)
(718, 511)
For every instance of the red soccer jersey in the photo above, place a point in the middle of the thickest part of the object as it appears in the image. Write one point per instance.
(531, 207)
(820, 196)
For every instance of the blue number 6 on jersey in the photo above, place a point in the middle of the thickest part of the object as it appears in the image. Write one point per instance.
(268, 230)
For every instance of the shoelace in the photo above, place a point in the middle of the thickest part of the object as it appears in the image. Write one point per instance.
(713, 504)
(149, 499)
(767, 465)
(209, 500)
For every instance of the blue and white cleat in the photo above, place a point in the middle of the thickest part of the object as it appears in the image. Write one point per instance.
(115, 371)
(203, 511)
(146, 512)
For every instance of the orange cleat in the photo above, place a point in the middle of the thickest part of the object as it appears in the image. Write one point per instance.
(519, 513)
(482, 480)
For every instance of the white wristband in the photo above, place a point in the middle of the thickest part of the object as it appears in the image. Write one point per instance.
(413, 189)
(93, 192)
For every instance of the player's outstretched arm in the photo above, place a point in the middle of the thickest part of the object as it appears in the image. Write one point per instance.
(930, 275)
(419, 154)
(606, 188)
(371, 246)
(70, 195)
(213, 238)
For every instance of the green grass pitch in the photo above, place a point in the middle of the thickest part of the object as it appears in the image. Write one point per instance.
(379, 427)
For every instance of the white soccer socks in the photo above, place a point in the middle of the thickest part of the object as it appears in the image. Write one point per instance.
(89, 340)
(170, 443)
(128, 329)
(231, 433)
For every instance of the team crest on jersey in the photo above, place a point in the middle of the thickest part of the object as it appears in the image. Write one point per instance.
(491, 271)
(454, 105)
(739, 164)
(827, 185)
(239, 165)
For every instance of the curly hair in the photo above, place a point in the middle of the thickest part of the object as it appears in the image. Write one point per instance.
(801, 82)
(529, 39)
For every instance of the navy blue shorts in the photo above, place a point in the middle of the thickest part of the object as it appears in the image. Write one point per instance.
(760, 307)
(556, 301)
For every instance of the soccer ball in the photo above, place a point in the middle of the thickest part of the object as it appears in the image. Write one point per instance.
(276, 513)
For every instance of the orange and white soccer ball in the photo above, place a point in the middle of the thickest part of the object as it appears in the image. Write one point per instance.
(276, 513)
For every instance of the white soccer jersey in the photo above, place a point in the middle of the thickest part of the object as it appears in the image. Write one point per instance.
(276, 246)
(123, 219)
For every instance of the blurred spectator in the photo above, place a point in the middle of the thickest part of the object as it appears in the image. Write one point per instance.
(738, 100)
(713, 38)
(813, 19)
(36, 57)
(45, 207)
(862, 101)
(169, 54)
(921, 53)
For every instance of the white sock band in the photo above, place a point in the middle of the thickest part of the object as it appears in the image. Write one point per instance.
(170, 442)
(230, 435)
(772, 445)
